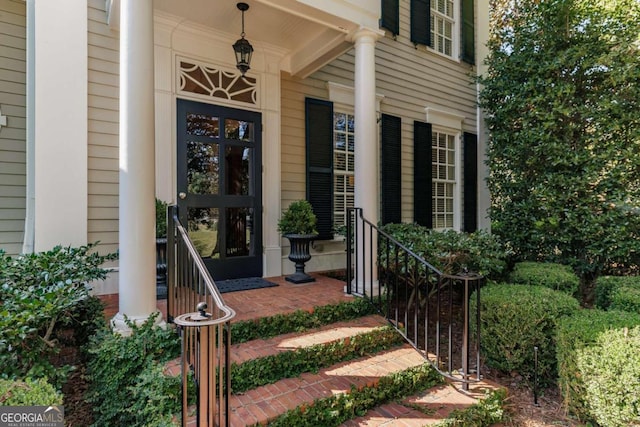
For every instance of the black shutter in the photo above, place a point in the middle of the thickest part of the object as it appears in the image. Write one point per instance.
(420, 22)
(422, 191)
(319, 137)
(468, 32)
(391, 170)
(470, 182)
(390, 16)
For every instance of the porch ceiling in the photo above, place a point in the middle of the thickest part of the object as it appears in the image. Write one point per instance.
(304, 30)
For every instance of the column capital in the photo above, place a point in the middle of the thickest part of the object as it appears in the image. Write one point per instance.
(363, 35)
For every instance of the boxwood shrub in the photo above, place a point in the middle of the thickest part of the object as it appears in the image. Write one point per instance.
(606, 285)
(581, 390)
(626, 298)
(551, 275)
(28, 392)
(451, 251)
(517, 318)
(611, 372)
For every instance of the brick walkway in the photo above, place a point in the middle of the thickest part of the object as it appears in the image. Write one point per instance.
(253, 304)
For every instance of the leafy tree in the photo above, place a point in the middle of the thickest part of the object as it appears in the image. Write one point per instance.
(562, 99)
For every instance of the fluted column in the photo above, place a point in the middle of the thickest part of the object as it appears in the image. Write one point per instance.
(137, 279)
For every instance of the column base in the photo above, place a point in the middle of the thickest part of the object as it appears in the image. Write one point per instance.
(358, 289)
(122, 325)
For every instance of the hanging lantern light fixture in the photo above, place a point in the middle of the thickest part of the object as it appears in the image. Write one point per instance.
(242, 47)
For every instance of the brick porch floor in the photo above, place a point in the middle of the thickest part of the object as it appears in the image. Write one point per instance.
(284, 298)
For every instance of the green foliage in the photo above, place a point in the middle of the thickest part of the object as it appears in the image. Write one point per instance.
(156, 397)
(562, 101)
(626, 298)
(299, 320)
(611, 373)
(118, 363)
(551, 275)
(576, 333)
(290, 364)
(517, 318)
(161, 218)
(37, 292)
(29, 392)
(334, 410)
(487, 412)
(607, 286)
(450, 251)
(85, 319)
(298, 218)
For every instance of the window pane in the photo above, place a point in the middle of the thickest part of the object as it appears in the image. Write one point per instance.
(238, 160)
(238, 232)
(203, 125)
(239, 130)
(203, 230)
(202, 168)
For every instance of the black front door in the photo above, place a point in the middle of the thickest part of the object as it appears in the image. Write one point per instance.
(219, 186)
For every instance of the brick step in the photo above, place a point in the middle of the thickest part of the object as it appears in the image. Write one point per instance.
(265, 403)
(426, 408)
(324, 335)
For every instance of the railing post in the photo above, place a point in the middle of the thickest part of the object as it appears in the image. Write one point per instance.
(171, 261)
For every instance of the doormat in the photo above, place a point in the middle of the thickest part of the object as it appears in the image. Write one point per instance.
(244, 284)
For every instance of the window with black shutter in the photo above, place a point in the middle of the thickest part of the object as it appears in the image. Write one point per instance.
(420, 31)
(468, 32)
(470, 182)
(319, 141)
(390, 16)
(391, 169)
(422, 190)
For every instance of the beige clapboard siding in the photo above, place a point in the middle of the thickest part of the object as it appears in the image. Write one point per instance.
(410, 79)
(13, 135)
(103, 70)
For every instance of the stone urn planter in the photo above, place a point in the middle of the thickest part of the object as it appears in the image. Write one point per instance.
(299, 255)
(298, 225)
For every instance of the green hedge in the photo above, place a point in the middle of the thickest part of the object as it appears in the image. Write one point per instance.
(611, 372)
(626, 298)
(451, 251)
(517, 318)
(28, 392)
(579, 332)
(122, 371)
(551, 275)
(607, 285)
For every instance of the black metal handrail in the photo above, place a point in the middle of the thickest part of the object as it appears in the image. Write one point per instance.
(428, 307)
(206, 336)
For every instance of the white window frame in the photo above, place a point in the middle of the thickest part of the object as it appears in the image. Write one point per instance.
(443, 122)
(436, 16)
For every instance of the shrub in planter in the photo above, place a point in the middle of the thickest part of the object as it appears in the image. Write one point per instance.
(551, 275)
(28, 392)
(606, 286)
(577, 333)
(517, 318)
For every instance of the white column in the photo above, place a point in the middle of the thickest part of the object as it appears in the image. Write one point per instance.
(137, 281)
(482, 51)
(58, 119)
(366, 149)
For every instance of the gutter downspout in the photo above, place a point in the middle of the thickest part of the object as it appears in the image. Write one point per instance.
(29, 221)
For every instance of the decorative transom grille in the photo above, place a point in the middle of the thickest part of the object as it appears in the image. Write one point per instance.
(208, 81)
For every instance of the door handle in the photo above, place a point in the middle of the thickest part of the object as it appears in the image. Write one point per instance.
(182, 195)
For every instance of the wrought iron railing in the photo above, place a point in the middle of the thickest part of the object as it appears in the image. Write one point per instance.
(206, 336)
(429, 308)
